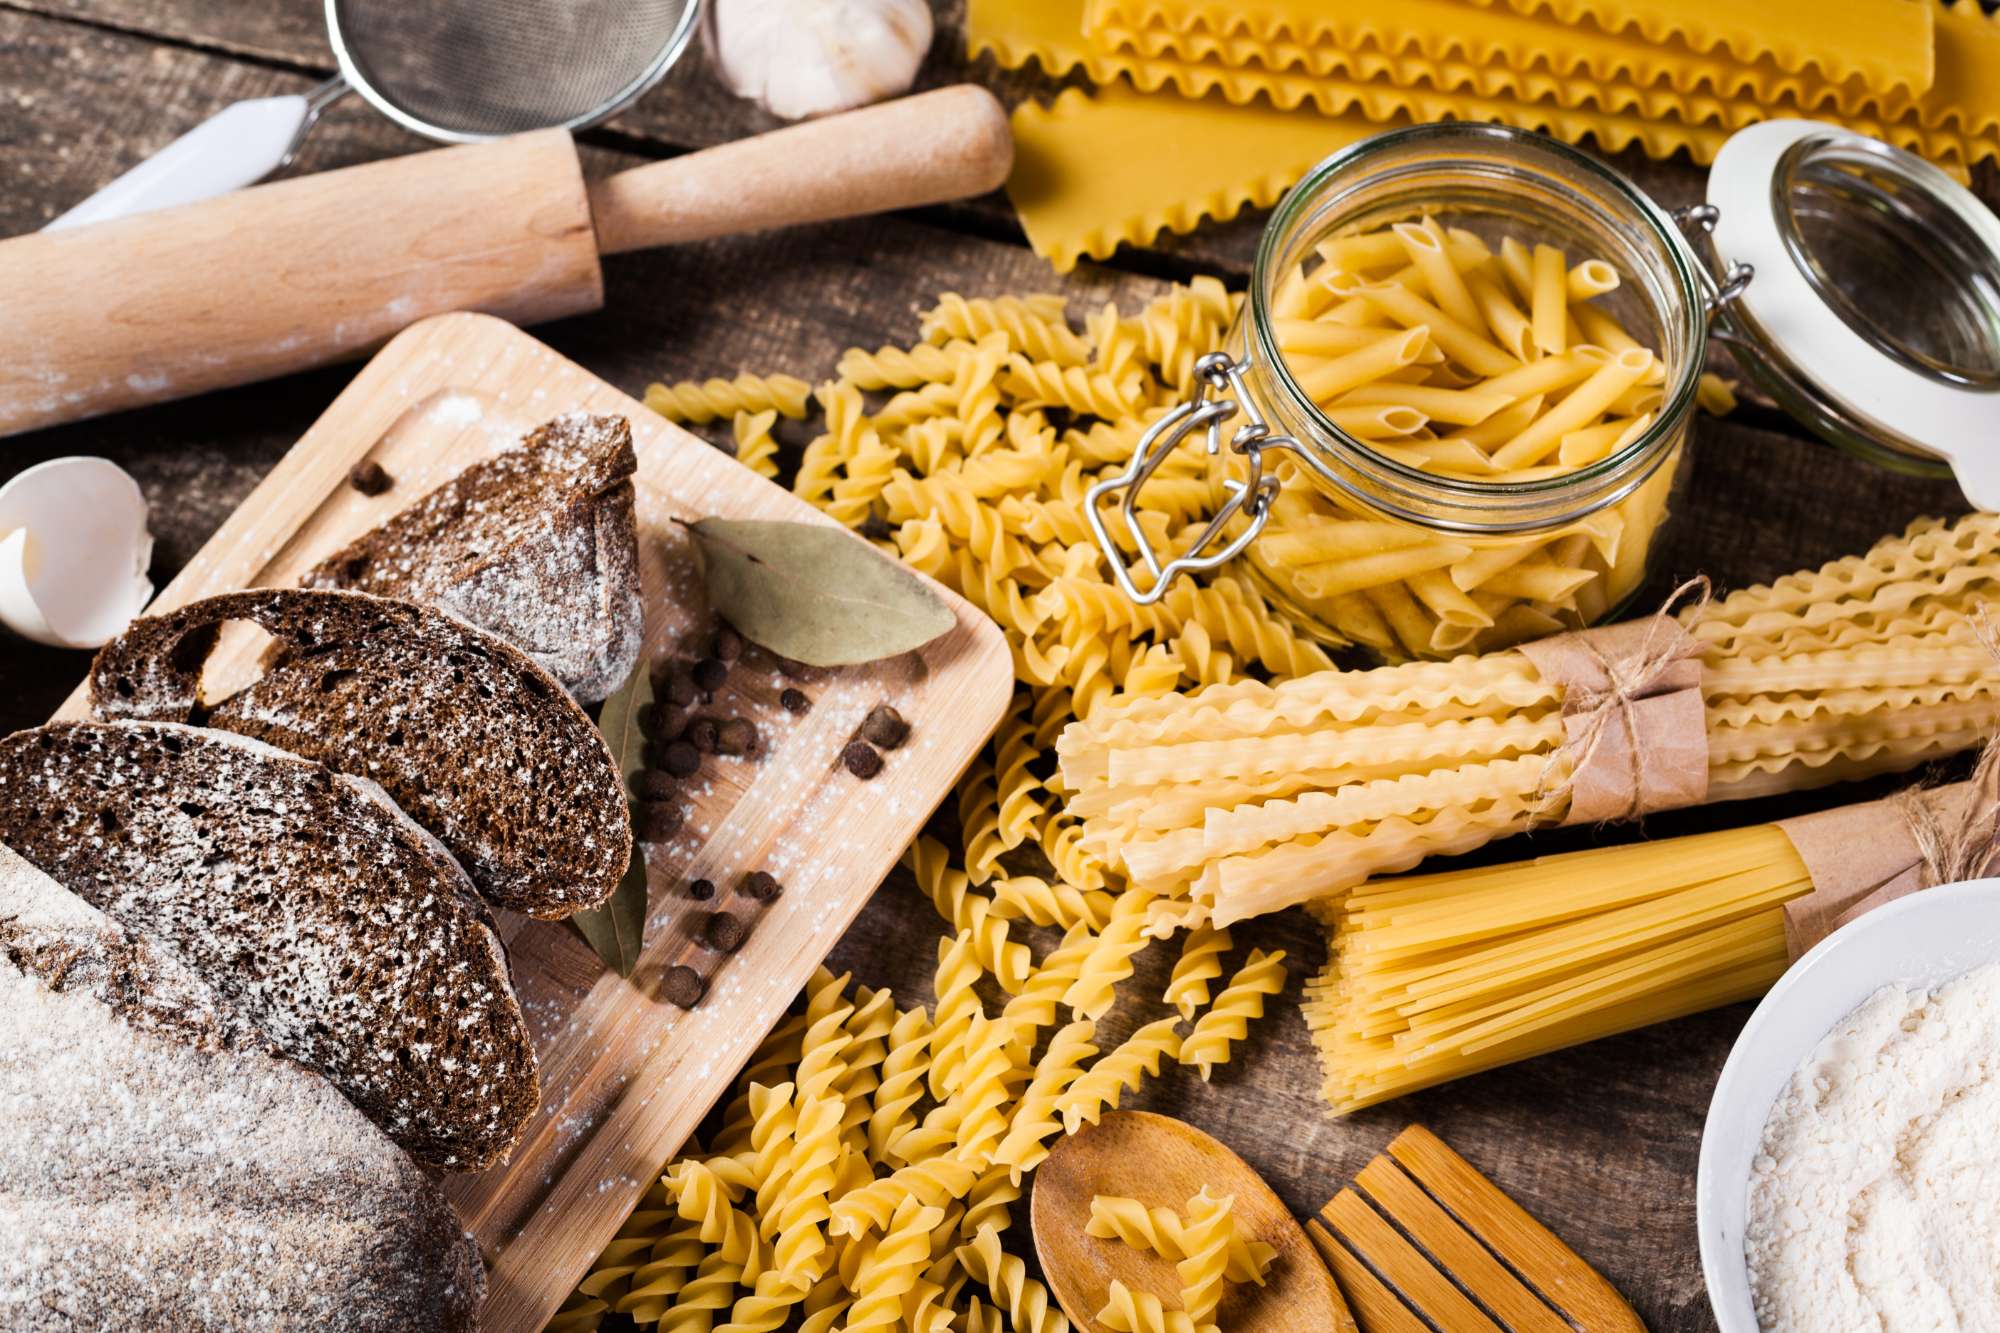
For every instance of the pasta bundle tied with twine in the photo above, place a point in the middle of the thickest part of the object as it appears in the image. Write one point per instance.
(1433, 977)
(1241, 799)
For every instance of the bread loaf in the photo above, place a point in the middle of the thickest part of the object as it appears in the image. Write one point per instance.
(162, 1168)
(538, 545)
(468, 735)
(306, 899)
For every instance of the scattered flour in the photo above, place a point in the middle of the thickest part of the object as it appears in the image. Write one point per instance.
(1875, 1196)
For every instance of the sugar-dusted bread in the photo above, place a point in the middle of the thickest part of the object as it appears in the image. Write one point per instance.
(306, 899)
(468, 735)
(162, 1168)
(538, 544)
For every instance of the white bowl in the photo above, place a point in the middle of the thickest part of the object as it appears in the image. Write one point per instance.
(1921, 941)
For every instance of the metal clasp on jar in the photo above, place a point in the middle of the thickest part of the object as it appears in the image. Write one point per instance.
(1215, 374)
(1697, 222)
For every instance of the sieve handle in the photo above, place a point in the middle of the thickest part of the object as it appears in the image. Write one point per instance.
(946, 144)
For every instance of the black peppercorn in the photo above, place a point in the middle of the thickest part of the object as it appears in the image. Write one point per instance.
(658, 820)
(724, 933)
(736, 736)
(861, 759)
(681, 759)
(683, 986)
(884, 726)
(701, 890)
(369, 478)
(795, 702)
(762, 885)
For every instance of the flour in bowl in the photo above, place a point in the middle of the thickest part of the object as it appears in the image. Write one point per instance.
(1875, 1195)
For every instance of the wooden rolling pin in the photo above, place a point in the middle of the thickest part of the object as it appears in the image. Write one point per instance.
(304, 272)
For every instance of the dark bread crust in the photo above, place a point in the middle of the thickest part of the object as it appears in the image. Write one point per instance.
(538, 545)
(475, 741)
(312, 905)
(161, 1167)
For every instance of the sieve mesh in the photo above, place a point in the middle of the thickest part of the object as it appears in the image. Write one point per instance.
(475, 69)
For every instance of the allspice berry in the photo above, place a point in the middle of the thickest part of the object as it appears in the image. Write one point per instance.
(668, 721)
(369, 478)
(681, 759)
(652, 784)
(762, 885)
(861, 760)
(701, 890)
(683, 986)
(710, 673)
(736, 736)
(724, 933)
(681, 688)
(885, 727)
(795, 702)
(728, 643)
(658, 820)
(702, 734)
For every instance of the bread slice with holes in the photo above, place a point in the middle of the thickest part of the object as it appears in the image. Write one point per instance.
(538, 544)
(306, 899)
(162, 1167)
(467, 734)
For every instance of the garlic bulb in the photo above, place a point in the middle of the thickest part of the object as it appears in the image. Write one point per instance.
(799, 58)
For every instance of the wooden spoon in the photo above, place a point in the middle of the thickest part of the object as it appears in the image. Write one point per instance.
(1163, 1163)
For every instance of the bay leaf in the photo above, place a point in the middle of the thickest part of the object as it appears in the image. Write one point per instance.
(617, 930)
(814, 593)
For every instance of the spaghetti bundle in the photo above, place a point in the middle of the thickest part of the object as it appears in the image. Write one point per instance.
(1433, 977)
(1245, 798)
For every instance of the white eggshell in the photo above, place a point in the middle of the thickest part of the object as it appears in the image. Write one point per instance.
(74, 552)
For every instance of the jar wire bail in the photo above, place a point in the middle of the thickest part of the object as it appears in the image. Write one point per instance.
(1205, 410)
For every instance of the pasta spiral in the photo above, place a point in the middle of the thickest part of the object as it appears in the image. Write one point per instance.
(970, 913)
(1032, 324)
(891, 1271)
(902, 1084)
(1025, 1300)
(1110, 961)
(1163, 1231)
(1105, 1082)
(1128, 1311)
(1200, 963)
(1035, 1120)
(1207, 1243)
(696, 402)
(756, 448)
(898, 368)
(1228, 1020)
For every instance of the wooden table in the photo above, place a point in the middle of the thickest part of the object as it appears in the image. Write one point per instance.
(1600, 1142)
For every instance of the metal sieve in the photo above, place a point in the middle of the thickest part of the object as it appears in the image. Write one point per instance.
(458, 71)
(468, 70)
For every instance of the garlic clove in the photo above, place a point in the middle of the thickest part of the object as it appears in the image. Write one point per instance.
(799, 58)
(74, 552)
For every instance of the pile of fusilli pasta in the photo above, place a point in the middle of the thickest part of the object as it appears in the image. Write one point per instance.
(863, 1172)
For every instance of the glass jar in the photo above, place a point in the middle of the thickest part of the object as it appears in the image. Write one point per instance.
(1381, 530)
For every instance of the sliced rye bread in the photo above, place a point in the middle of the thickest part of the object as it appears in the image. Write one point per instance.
(310, 903)
(162, 1167)
(466, 733)
(538, 545)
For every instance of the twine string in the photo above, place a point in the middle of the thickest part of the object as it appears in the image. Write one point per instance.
(1966, 847)
(1627, 680)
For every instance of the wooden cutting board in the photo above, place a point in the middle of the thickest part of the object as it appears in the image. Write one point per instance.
(626, 1075)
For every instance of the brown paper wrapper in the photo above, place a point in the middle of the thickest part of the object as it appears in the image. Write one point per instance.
(1639, 749)
(1860, 857)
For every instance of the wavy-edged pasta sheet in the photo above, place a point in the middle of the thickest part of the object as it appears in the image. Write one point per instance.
(1378, 41)
(1249, 797)
(1121, 166)
(1500, 52)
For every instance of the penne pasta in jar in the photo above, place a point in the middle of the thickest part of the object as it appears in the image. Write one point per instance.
(1456, 399)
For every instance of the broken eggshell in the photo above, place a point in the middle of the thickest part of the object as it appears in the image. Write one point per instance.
(74, 549)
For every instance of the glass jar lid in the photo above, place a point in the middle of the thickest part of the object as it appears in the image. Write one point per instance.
(1874, 312)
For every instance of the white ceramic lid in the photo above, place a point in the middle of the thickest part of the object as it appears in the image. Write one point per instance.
(1879, 394)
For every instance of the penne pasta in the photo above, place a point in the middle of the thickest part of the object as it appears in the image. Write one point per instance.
(1507, 322)
(1585, 404)
(1424, 242)
(1593, 277)
(1548, 299)
(1372, 571)
(1460, 342)
(1457, 407)
(1325, 380)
